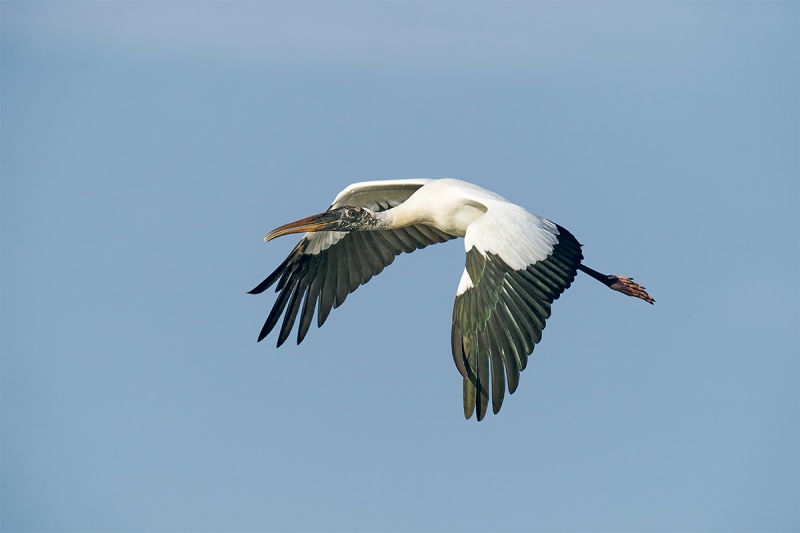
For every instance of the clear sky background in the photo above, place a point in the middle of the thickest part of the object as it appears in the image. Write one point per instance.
(147, 147)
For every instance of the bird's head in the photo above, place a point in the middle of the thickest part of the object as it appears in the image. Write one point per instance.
(345, 218)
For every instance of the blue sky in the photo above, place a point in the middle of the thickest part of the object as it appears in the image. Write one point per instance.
(147, 147)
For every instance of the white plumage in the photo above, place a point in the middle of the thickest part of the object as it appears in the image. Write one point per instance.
(517, 264)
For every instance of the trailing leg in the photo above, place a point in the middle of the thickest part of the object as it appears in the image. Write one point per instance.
(619, 283)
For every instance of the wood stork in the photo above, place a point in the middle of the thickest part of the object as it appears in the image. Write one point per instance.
(517, 264)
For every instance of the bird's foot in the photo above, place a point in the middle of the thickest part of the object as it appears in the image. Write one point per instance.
(629, 287)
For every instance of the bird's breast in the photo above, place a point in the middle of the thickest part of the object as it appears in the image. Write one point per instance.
(454, 219)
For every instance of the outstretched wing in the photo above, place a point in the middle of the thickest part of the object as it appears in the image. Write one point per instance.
(326, 266)
(514, 272)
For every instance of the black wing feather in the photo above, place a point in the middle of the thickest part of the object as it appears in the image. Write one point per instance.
(329, 276)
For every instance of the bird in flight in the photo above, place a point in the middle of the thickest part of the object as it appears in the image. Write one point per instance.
(517, 264)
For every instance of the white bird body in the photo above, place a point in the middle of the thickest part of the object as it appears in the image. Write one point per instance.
(457, 205)
(517, 264)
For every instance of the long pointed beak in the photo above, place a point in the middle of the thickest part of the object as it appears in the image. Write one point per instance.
(326, 221)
